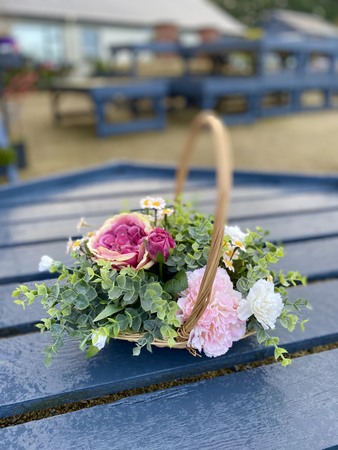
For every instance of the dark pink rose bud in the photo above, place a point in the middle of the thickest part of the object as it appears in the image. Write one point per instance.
(160, 241)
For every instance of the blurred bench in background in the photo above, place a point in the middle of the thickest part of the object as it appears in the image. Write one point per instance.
(118, 93)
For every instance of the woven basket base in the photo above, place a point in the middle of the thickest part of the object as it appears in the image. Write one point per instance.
(160, 343)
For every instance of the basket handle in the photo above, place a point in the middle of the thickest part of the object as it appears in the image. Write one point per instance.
(223, 154)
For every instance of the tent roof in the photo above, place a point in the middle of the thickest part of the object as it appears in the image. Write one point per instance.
(304, 23)
(188, 14)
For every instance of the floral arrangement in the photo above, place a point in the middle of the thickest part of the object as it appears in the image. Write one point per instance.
(137, 277)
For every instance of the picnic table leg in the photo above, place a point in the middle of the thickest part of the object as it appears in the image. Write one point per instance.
(55, 97)
(254, 105)
(160, 111)
(134, 107)
(207, 102)
(327, 98)
(100, 117)
(296, 100)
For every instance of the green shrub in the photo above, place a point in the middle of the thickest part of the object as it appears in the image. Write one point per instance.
(7, 156)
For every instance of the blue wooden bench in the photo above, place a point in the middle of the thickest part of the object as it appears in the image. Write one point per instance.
(105, 92)
(207, 90)
(169, 399)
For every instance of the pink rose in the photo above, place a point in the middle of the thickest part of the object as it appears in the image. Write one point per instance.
(121, 241)
(160, 241)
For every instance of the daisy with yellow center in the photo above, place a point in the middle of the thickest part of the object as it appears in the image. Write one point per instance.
(157, 203)
(229, 265)
(236, 235)
(166, 212)
(76, 244)
(240, 245)
(146, 203)
(73, 245)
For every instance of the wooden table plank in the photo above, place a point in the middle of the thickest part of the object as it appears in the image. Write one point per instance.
(252, 207)
(72, 377)
(298, 226)
(315, 259)
(13, 319)
(23, 260)
(267, 407)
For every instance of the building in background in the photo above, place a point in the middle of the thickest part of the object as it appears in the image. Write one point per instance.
(75, 31)
(285, 22)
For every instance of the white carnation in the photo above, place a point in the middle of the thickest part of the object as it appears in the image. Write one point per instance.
(45, 264)
(262, 302)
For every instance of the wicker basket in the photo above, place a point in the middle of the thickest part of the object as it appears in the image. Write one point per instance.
(223, 157)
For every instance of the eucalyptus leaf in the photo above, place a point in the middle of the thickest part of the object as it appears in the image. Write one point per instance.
(107, 312)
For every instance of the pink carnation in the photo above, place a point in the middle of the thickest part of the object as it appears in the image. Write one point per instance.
(220, 325)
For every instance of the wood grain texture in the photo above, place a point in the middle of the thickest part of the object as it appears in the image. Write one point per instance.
(314, 259)
(23, 260)
(264, 408)
(25, 386)
(298, 226)
(251, 206)
(13, 319)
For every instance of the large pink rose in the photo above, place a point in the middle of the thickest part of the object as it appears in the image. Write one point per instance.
(121, 241)
(160, 241)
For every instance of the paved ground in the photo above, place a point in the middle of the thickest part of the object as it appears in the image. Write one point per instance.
(306, 142)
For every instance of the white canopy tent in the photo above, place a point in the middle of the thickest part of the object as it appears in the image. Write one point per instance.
(77, 30)
(186, 14)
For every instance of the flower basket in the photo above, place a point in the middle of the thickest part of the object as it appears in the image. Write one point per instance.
(170, 277)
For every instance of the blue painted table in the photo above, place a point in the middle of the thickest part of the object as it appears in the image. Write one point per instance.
(189, 405)
(208, 90)
(103, 92)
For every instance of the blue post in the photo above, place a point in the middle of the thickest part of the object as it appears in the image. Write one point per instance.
(3, 135)
(11, 170)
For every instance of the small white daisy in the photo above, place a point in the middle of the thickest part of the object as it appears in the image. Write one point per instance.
(146, 203)
(237, 236)
(166, 212)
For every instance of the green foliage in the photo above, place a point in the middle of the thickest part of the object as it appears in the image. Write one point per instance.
(250, 12)
(192, 234)
(7, 156)
(93, 303)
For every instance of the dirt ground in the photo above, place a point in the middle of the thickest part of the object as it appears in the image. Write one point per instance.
(298, 143)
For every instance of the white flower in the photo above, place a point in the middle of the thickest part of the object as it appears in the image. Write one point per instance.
(46, 263)
(145, 203)
(98, 340)
(229, 265)
(165, 212)
(152, 203)
(237, 236)
(265, 304)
